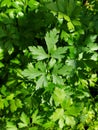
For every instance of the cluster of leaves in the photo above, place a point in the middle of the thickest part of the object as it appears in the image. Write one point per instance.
(48, 65)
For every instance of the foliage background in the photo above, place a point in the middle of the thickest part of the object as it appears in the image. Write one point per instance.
(48, 65)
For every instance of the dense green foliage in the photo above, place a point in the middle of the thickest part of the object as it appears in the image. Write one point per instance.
(48, 65)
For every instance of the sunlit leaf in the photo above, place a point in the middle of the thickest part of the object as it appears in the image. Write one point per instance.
(1, 103)
(13, 106)
(70, 121)
(11, 126)
(6, 3)
(25, 119)
(67, 18)
(57, 79)
(70, 26)
(61, 123)
(41, 66)
(33, 4)
(1, 65)
(59, 53)
(10, 97)
(51, 39)
(74, 110)
(38, 53)
(33, 128)
(49, 124)
(66, 70)
(42, 81)
(65, 36)
(18, 103)
(22, 125)
(52, 63)
(31, 72)
(58, 114)
(58, 96)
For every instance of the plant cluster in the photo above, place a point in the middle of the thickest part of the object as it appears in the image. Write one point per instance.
(48, 65)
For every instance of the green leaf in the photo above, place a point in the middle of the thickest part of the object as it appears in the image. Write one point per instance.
(15, 61)
(61, 5)
(59, 96)
(11, 126)
(67, 18)
(91, 63)
(31, 72)
(74, 110)
(9, 46)
(51, 39)
(92, 46)
(70, 26)
(2, 32)
(25, 119)
(90, 39)
(52, 62)
(3, 90)
(56, 67)
(22, 125)
(58, 79)
(10, 97)
(13, 106)
(70, 121)
(42, 81)
(11, 13)
(65, 36)
(1, 53)
(70, 6)
(1, 103)
(18, 103)
(33, 4)
(48, 124)
(58, 114)
(76, 22)
(50, 87)
(67, 102)
(1, 65)
(6, 3)
(18, 4)
(33, 128)
(52, 6)
(61, 123)
(59, 53)
(65, 70)
(11, 82)
(38, 53)
(41, 66)
(36, 119)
